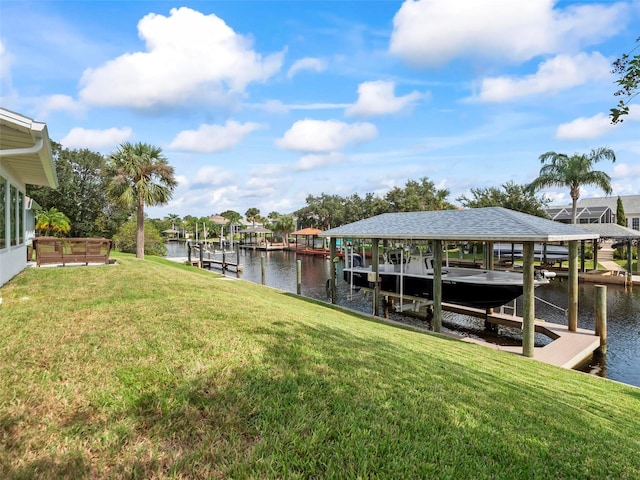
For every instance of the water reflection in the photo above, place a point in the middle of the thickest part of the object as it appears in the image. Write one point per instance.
(622, 362)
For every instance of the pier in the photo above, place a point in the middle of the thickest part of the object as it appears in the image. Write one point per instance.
(567, 348)
(209, 262)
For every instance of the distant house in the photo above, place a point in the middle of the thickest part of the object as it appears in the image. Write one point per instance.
(25, 159)
(600, 210)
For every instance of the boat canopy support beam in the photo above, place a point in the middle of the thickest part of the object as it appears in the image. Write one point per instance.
(528, 310)
(437, 286)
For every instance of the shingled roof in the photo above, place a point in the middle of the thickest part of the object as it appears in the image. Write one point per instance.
(474, 224)
(611, 230)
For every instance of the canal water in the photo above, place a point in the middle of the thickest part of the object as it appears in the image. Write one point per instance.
(621, 363)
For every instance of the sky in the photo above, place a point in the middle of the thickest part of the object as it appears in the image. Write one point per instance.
(263, 103)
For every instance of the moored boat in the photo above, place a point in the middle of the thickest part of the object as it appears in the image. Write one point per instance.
(411, 274)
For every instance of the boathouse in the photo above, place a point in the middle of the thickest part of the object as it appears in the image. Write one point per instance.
(491, 224)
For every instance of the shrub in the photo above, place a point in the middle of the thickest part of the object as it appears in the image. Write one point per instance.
(125, 239)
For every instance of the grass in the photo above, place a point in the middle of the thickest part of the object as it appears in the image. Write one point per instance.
(148, 369)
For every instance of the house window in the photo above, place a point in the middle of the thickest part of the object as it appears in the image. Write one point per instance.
(3, 213)
(13, 215)
(635, 222)
(20, 218)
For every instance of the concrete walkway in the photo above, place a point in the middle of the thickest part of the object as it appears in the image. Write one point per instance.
(605, 258)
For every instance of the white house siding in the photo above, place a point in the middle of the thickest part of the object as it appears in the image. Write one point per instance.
(12, 257)
(25, 158)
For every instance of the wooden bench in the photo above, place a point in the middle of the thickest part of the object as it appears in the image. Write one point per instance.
(52, 250)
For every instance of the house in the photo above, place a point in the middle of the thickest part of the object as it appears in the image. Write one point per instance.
(25, 159)
(600, 210)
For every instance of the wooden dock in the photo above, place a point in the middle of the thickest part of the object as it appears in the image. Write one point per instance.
(216, 263)
(567, 349)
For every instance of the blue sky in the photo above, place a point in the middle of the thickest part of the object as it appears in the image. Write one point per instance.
(262, 103)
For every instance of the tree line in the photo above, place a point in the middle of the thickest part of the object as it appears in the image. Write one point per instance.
(97, 195)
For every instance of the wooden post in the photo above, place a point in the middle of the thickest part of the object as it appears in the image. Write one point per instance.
(375, 267)
(332, 275)
(582, 260)
(489, 265)
(601, 316)
(488, 256)
(262, 267)
(595, 254)
(528, 311)
(298, 277)
(189, 252)
(573, 285)
(201, 254)
(437, 286)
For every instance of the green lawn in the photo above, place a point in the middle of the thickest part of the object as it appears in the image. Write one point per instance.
(147, 369)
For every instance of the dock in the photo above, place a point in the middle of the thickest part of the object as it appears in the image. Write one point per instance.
(567, 349)
(215, 263)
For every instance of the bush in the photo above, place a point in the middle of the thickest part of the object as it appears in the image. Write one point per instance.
(125, 239)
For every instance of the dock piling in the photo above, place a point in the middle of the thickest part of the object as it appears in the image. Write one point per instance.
(601, 316)
(299, 277)
(262, 269)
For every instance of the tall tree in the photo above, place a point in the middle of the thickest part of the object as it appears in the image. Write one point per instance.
(140, 175)
(417, 196)
(561, 170)
(628, 68)
(173, 218)
(252, 215)
(285, 224)
(81, 193)
(512, 196)
(621, 218)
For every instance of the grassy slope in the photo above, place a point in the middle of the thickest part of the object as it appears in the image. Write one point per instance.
(147, 369)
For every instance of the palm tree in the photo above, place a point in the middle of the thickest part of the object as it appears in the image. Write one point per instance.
(52, 219)
(173, 218)
(560, 170)
(252, 215)
(140, 175)
(285, 225)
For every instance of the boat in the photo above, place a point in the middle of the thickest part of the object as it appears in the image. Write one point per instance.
(410, 274)
(542, 252)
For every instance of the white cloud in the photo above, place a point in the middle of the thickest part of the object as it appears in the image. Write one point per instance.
(6, 60)
(431, 32)
(80, 137)
(593, 127)
(212, 175)
(59, 102)
(309, 162)
(325, 136)
(307, 63)
(559, 73)
(378, 98)
(624, 170)
(584, 127)
(213, 138)
(188, 56)
(272, 106)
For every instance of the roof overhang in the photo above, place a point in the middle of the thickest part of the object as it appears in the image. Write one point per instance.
(25, 149)
(611, 230)
(490, 224)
